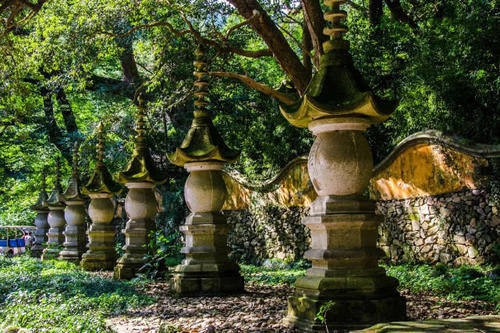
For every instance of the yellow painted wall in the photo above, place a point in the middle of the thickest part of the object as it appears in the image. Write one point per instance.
(419, 170)
(427, 169)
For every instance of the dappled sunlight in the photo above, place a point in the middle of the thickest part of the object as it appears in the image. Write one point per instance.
(426, 169)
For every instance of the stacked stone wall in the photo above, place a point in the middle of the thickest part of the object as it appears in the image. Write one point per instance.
(454, 228)
(438, 197)
(264, 232)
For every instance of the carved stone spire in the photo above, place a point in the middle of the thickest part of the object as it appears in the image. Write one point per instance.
(41, 203)
(141, 167)
(101, 180)
(202, 142)
(336, 28)
(56, 198)
(337, 89)
(73, 192)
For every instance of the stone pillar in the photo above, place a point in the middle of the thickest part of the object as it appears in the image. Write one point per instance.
(141, 208)
(42, 226)
(140, 176)
(338, 107)
(343, 226)
(101, 254)
(75, 235)
(55, 219)
(207, 268)
(75, 243)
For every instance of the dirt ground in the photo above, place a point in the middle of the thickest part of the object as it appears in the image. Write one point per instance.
(260, 309)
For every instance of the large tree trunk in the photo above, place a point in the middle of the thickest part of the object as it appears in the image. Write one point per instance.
(66, 111)
(53, 130)
(276, 42)
(375, 7)
(129, 66)
(399, 14)
(307, 45)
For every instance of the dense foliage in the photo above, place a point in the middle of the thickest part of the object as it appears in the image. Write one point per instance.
(460, 283)
(54, 296)
(75, 63)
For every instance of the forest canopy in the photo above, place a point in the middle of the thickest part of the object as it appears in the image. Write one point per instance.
(66, 65)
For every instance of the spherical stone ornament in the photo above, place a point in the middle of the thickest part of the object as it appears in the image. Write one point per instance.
(140, 203)
(340, 163)
(101, 208)
(205, 190)
(74, 213)
(56, 217)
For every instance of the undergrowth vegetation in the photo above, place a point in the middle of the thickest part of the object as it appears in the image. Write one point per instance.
(460, 283)
(55, 296)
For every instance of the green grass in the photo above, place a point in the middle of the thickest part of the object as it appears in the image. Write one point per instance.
(270, 276)
(460, 283)
(55, 296)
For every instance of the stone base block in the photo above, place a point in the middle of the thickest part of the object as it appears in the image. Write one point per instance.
(126, 271)
(128, 266)
(49, 254)
(98, 261)
(73, 256)
(343, 314)
(193, 285)
(36, 251)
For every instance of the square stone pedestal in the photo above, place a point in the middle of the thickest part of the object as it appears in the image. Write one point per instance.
(137, 239)
(101, 254)
(345, 276)
(207, 270)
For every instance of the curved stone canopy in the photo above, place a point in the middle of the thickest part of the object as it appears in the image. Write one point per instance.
(337, 90)
(56, 198)
(73, 192)
(101, 181)
(41, 203)
(141, 168)
(203, 143)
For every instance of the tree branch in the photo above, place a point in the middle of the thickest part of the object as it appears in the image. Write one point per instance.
(313, 16)
(251, 83)
(276, 42)
(399, 14)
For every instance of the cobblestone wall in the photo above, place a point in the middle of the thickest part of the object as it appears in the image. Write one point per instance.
(453, 228)
(263, 232)
(431, 190)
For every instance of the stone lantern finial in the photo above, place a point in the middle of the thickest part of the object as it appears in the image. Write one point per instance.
(202, 142)
(73, 192)
(141, 167)
(100, 143)
(101, 180)
(41, 203)
(56, 198)
(336, 29)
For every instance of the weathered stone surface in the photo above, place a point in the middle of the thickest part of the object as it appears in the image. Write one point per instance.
(101, 254)
(55, 235)
(470, 324)
(42, 227)
(141, 207)
(207, 269)
(75, 243)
